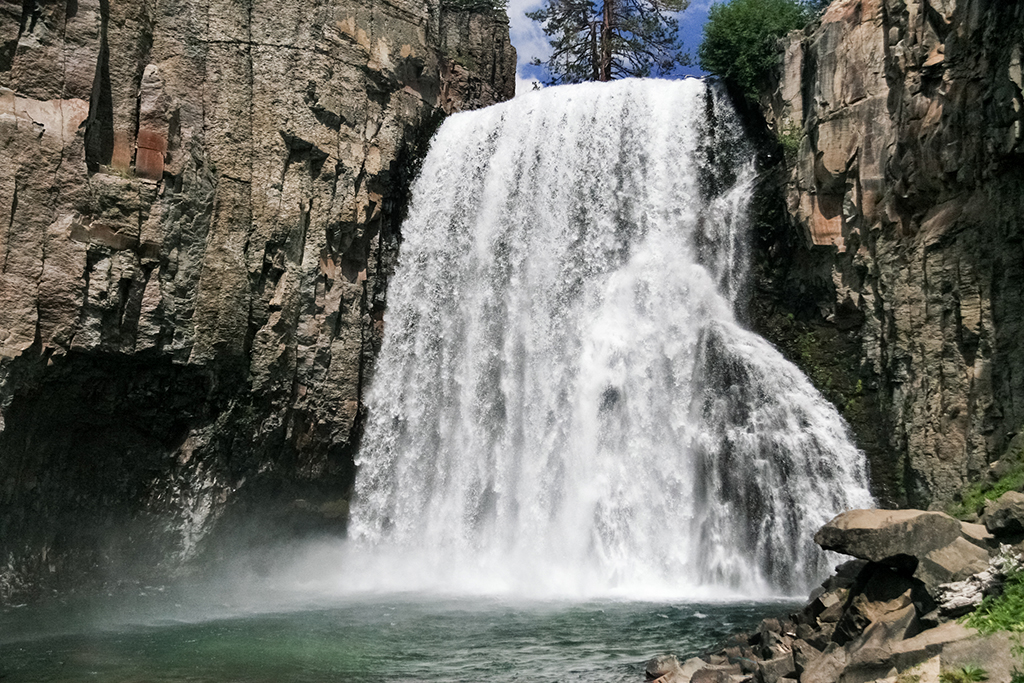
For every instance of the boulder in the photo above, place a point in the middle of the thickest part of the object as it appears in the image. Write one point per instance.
(832, 604)
(846, 574)
(954, 562)
(1005, 516)
(978, 535)
(662, 666)
(993, 652)
(712, 675)
(895, 538)
(880, 590)
(920, 648)
(826, 667)
(803, 654)
(781, 666)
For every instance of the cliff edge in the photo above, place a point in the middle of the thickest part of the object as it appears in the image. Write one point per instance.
(199, 206)
(901, 121)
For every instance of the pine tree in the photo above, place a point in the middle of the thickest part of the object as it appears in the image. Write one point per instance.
(599, 41)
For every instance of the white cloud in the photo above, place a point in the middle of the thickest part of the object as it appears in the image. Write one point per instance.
(527, 36)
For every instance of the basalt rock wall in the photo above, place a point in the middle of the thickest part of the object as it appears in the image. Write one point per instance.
(199, 205)
(901, 121)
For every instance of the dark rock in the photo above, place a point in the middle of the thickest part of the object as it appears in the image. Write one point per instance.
(1005, 517)
(832, 605)
(846, 575)
(822, 637)
(883, 594)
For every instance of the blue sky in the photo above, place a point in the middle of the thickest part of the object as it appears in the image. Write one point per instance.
(530, 41)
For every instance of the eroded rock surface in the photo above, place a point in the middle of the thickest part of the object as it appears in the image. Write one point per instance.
(198, 207)
(904, 121)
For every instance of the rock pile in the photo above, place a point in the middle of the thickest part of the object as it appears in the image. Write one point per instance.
(887, 615)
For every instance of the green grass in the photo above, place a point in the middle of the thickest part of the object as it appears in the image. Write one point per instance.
(965, 674)
(973, 499)
(1003, 612)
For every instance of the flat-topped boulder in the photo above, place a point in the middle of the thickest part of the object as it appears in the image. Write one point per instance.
(895, 538)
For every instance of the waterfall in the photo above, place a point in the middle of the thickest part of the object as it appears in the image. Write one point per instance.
(565, 402)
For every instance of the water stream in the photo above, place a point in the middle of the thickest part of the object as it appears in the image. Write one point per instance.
(576, 456)
(565, 403)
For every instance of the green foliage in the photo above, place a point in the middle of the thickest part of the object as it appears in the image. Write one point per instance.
(605, 39)
(973, 498)
(789, 138)
(1001, 612)
(965, 674)
(741, 38)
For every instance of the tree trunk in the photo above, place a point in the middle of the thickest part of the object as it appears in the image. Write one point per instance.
(606, 42)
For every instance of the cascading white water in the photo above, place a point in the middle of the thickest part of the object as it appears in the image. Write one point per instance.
(565, 402)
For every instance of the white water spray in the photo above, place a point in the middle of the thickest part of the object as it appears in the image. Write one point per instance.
(564, 403)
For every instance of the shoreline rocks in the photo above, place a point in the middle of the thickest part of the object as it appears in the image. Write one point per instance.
(886, 615)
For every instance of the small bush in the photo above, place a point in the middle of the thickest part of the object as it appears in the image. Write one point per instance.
(966, 674)
(973, 499)
(790, 138)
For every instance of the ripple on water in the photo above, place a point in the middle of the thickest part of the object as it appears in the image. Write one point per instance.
(357, 640)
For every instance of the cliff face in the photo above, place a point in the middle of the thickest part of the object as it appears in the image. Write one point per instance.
(903, 120)
(199, 203)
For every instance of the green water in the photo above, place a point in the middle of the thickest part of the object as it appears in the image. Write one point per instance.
(372, 638)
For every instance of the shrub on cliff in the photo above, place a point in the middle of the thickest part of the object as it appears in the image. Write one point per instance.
(741, 38)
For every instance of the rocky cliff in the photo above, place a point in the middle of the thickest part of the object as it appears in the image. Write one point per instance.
(901, 290)
(199, 203)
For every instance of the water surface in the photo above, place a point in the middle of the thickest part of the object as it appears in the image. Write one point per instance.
(369, 638)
